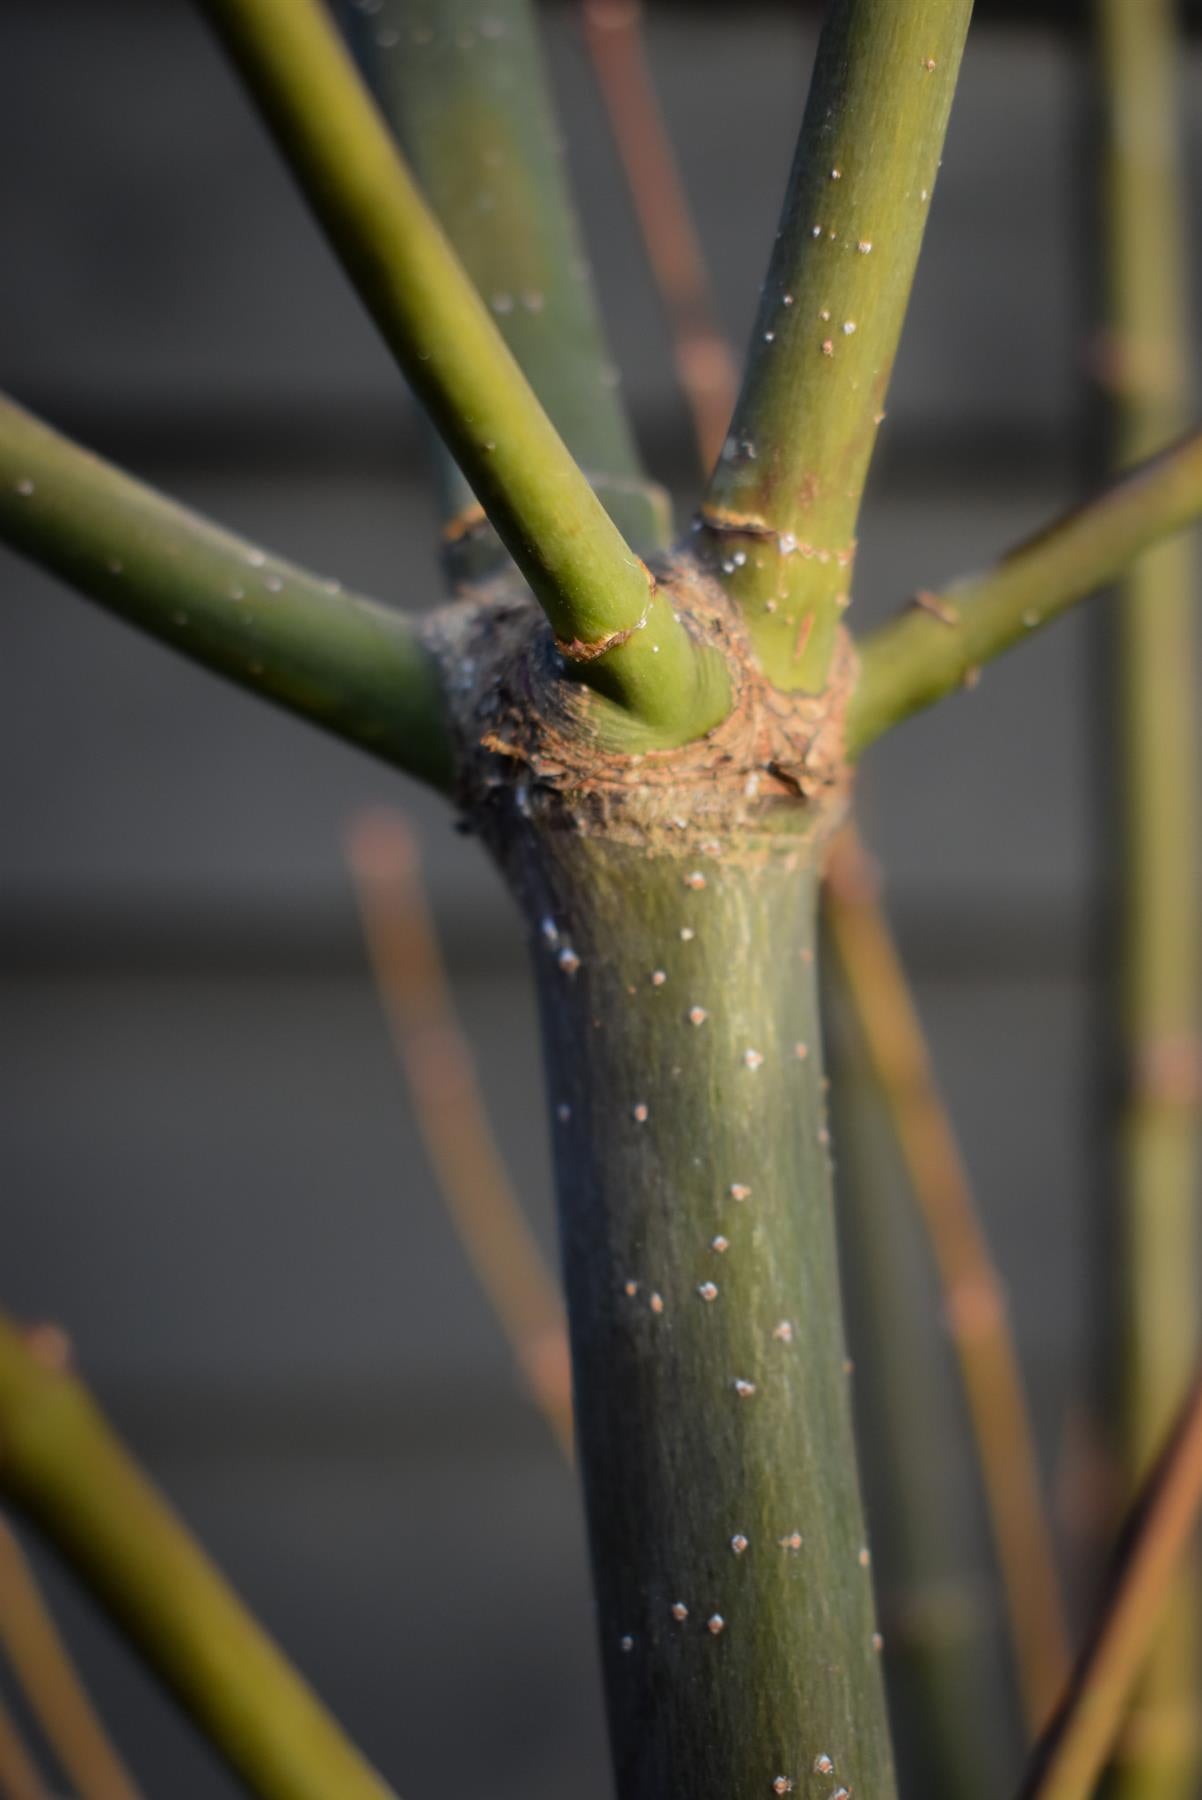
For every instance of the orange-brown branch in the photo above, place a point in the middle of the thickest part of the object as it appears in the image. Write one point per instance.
(704, 365)
(451, 1115)
(973, 1296)
(19, 1775)
(1069, 1760)
(46, 1675)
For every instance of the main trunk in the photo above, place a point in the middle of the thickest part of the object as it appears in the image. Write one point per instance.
(684, 1067)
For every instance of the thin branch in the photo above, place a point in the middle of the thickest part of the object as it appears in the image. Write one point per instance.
(20, 1778)
(613, 31)
(64, 1467)
(940, 642)
(451, 1115)
(786, 492)
(1069, 1761)
(468, 99)
(1155, 1283)
(974, 1299)
(57, 1698)
(356, 668)
(616, 630)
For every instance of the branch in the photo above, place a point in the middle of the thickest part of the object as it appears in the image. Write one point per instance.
(974, 1300)
(60, 1463)
(451, 1115)
(786, 491)
(1155, 800)
(941, 641)
(19, 1775)
(1068, 1762)
(46, 1675)
(613, 30)
(467, 97)
(356, 668)
(616, 630)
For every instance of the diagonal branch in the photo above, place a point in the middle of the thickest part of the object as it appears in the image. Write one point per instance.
(354, 667)
(1069, 1760)
(468, 99)
(616, 630)
(973, 1297)
(613, 30)
(451, 1114)
(71, 1475)
(46, 1675)
(20, 1778)
(941, 641)
(788, 485)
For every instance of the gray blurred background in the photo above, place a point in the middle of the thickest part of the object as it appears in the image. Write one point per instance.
(210, 1171)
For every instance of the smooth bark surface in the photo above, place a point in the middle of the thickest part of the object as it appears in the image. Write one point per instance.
(467, 96)
(733, 1579)
(780, 513)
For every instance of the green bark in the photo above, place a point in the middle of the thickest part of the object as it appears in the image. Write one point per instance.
(356, 668)
(616, 630)
(940, 642)
(60, 1462)
(684, 1063)
(783, 501)
(1155, 651)
(467, 97)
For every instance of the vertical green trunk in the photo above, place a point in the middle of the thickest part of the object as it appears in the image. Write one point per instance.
(733, 1584)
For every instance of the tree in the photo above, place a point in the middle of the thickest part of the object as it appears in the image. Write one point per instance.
(657, 744)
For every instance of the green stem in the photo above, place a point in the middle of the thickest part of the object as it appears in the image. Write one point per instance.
(467, 97)
(1157, 749)
(60, 1462)
(354, 667)
(615, 628)
(941, 641)
(784, 498)
(713, 1426)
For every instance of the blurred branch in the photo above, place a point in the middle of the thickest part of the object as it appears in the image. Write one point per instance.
(20, 1778)
(1146, 371)
(69, 1472)
(47, 1677)
(451, 1115)
(974, 1301)
(1070, 1759)
(356, 668)
(941, 641)
(705, 368)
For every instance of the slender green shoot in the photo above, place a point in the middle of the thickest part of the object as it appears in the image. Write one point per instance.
(64, 1467)
(345, 663)
(941, 641)
(468, 99)
(616, 630)
(1155, 1281)
(780, 514)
